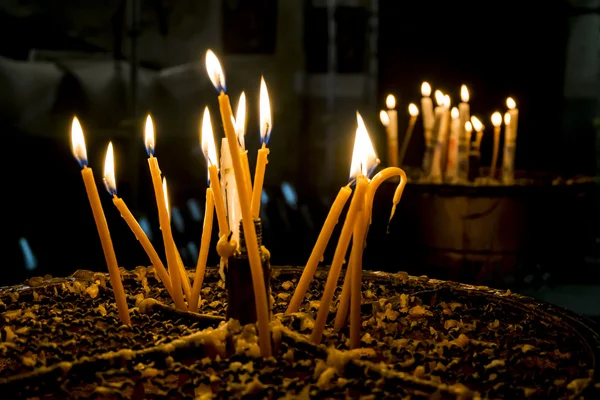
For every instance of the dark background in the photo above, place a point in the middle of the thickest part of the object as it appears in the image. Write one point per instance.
(498, 48)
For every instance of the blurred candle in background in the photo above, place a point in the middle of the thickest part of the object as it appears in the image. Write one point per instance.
(392, 130)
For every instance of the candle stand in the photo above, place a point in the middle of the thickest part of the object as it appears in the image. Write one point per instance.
(240, 291)
(420, 337)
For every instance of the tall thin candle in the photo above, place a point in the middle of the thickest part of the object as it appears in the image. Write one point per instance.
(204, 247)
(80, 153)
(266, 125)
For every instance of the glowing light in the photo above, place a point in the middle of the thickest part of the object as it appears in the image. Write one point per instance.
(78, 143)
(446, 101)
(149, 136)
(207, 140)
(511, 103)
(507, 119)
(468, 127)
(364, 158)
(166, 194)
(477, 125)
(215, 72)
(454, 113)
(390, 101)
(496, 119)
(425, 89)
(384, 118)
(464, 94)
(413, 110)
(240, 120)
(266, 123)
(439, 98)
(109, 170)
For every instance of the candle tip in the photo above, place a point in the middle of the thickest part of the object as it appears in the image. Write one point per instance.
(266, 122)
(149, 136)
(390, 101)
(109, 171)
(425, 89)
(464, 94)
(413, 110)
(215, 71)
(78, 143)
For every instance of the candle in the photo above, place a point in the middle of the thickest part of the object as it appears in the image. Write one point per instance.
(413, 111)
(204, 246)
(427, 109)
(441, 124)
(229, 190)
(262, 311)
(240, 130)
(363, 160)
(80, 153)
(358, 244)
(319, 248)
(344, 301)
(497, 122)
(261, 161)
(478, 126)
(210, 153)
(464, 110)
(185, 282)
(392, 131)
(510, 142)
(453, 143)
(140, 235)
(165, 225)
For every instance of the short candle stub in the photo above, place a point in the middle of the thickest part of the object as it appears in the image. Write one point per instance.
(241, 304)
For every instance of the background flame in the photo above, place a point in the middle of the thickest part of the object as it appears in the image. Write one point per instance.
(511, 103)
(166, 194)
(413, 110)
(384, 118)
(477, 125)
(454, 113)
(496, 119)
(425, 89)
(266, 123)
(464, 94)
(149, 135)
(364, 158)
(109, 170)
(468, 126)
(439, 98)
(215, 72)
(78, 142)
(390, 101)
(207, 139)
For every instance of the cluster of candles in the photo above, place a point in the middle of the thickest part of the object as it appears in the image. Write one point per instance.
(448, 136)
(242, 202)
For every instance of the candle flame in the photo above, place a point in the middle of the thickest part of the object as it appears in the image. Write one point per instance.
(390, 101)
(166, 194)
(477, 125)
(511, 103)
(240, 120)
(149, 136)
(384, 118)
(413, 110)
(447, 101)
(464, 94)
(215, 72)
(266, 123)
(78, 143)
(506, 119)
(468, 127)
(364, 158)
(207, 140)
(496, 119)
(109, 170)
(454, 113)
(439, 98)
(425, 89)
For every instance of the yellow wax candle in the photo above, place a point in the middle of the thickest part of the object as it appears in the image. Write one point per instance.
(464, 109)
(453, 155)
(440, 117)
(510, 141)
(319, 248)
(246, 165)
(358, 243)
(392, 130)
(204, 246)
(497, 122)
(413, 111)
(478, 126)
(427, 109)
(163, 217)
(80, 153)
(140, 235)
(338, 259)
(210, 153)
(344, 301)
(260, 294)
(185, 281)
(266, 125)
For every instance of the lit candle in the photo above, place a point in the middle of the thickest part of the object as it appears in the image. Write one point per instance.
(441, 123)
(240, 130)
(111, 185)
(229, 190)
(453, 144)
(217, 77)
(210, 153)
(510, 142)
(427, 109)
(266, 126)
(319, 248)
(80, 153)
(497, 122)
(363, 160)
(478, 126)
(413, 111)
(163, 216)
(392, 130)
(182, 273)
(464, 110)
(204, 247)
